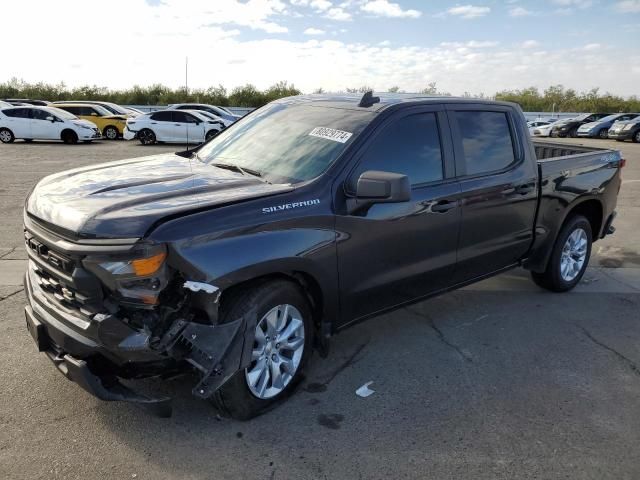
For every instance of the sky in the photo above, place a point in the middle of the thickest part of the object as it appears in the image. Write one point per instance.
(478, 47)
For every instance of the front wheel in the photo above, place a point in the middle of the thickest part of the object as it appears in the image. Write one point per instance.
(636, 137)
(281, 348)
(603, 133)
(147, 137)
(110, 133)
(69, 137)
(569, 258)
(6, 135)
(210, 134)
(573, 133)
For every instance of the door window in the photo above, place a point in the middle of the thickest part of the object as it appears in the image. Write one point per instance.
(161, 116)
(487, 143)
(40, 114)
(17, 112)
(183, 117)
(409, 146)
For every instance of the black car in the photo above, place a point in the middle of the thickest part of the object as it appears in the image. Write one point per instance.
(569, 127)
(236, 259)
(629, 130)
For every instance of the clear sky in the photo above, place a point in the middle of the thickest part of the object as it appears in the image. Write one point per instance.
(482, 46)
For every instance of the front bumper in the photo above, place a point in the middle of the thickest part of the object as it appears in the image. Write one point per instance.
(588, 133)
(621, 134)
(129, 134)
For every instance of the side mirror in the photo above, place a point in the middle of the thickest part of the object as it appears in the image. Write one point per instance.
(51, 119)
(94, 114)
(379, 187)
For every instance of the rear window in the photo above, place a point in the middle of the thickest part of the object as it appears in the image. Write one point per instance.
(486, 141)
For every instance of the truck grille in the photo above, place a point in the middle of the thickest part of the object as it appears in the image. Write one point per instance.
(62, 294)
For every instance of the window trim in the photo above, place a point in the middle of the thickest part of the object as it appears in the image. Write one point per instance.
(460, 158)
(446, 149)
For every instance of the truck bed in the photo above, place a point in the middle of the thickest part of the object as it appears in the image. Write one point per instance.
(554, 151)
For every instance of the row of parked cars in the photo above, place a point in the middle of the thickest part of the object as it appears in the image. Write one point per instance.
(618, 126)
(73, 121)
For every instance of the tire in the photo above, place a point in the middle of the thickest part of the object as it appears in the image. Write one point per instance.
(239, 399)
(566, 252)
(210, 134)
(636, 137)
(573, 133)
(146, 136)
(6, 135)
(603, 133)
(69, 137)
(110, 133)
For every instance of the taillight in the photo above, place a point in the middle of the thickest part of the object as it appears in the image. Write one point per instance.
(622, 163)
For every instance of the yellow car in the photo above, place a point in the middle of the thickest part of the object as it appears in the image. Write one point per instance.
(111, 126)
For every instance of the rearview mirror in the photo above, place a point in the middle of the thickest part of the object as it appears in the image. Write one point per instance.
(379, 187)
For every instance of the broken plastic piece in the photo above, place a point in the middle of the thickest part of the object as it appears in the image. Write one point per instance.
(364, 391)
(200, 287)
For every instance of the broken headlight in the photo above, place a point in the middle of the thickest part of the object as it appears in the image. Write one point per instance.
(137, 277)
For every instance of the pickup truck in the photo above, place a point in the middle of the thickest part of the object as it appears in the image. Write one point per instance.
(235, 260)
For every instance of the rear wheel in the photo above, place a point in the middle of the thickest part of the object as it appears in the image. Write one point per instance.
(636, 137)
(603, 133)
(282, 346)
(110, 133)
(6, 135)
(147, 137)
(210, 134)
(69, 137)
(569, 258)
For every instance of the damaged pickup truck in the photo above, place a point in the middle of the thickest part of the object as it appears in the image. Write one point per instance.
(235, 260)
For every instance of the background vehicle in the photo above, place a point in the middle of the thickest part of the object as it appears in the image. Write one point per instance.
(113, 108)
(180, 126)
(44, 123)
(235, 258)
(536, 124)
(21, 101)
(223, 113)
(111, 126)
(600, 128)
(569, 127)
(627, 130)
(4, 104)
(542, 131)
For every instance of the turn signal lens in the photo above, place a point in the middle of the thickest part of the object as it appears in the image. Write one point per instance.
(148, 266)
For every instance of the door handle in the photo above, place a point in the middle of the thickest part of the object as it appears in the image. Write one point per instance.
(443, 206)
(154, 123)
(524, 189)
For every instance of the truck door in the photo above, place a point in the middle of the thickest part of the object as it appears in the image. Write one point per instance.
(394, 253)
(498, 182)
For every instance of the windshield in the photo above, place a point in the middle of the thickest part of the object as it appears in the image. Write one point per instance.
(115, 108)
(287, 143)
(63, 113)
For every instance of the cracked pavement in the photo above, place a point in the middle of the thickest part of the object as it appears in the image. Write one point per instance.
(497, 380)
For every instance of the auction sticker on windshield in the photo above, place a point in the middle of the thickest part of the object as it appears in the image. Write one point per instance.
(331, 134)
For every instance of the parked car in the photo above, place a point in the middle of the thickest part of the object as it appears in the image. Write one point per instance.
(4, 104)
(224, 114)
(44, 123)
(135, 111)
(627, 130)
(111, 126)
(234, 259)
(179, 126)
(600, 128)
(113, 108)
(536, 124)
(542, 131)
(569, 127)
(27, 101)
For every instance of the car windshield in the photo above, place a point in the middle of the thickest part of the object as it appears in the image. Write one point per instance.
(58, 112)
(115, 108)
(579, 118)
(287, 143)
(101, 110)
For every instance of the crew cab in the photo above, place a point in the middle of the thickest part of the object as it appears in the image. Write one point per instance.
(237, 258)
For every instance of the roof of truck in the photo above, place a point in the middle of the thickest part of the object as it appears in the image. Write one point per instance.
(352, 100)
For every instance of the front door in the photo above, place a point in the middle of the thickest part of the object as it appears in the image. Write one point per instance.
(395, 253)
(44, 129)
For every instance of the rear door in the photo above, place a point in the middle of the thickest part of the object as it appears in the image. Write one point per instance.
(394, 253)
(161, 123)
(498, 182)
(19, 121)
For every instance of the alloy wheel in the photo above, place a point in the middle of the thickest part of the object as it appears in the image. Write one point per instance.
(574, 255)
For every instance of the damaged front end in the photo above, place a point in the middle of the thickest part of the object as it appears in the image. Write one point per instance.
(103, 312)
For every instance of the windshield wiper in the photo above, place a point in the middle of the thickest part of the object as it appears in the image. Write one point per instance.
(243, 170)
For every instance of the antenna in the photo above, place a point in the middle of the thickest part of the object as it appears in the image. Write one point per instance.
(368, 99)
(186, 91)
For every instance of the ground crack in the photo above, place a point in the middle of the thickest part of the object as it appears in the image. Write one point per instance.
(441, 336)
(627, 361)
(13, 249)
(11, 294)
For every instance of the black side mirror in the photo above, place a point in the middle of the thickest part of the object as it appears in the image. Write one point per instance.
(379, 187)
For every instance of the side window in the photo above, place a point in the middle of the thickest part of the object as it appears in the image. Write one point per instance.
(74, 110)
(409, 146)
(38, 114)
(486, 141)
(161, 116)
(17, 113)
(89, 111)
(183, 117)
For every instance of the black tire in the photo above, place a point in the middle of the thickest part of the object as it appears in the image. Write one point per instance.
(28, 140)
(573, 133)
(603, 133)
(636, 137)
(146, 136)
(69, 137)
(210, 134)
(234, 397)
(110, 133)
(551, 278)
(6, 135)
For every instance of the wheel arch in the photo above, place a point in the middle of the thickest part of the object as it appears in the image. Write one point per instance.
(66, 131)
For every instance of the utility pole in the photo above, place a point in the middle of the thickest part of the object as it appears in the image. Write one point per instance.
(186, 78)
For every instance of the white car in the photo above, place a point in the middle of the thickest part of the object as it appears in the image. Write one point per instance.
(536, 124)
(4, 104)
(220, 112)
(44, 123)
(542, 130)
(180, 126)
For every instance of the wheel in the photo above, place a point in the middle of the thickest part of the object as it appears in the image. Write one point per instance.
(6, 135)
(147, 137)
(636, 137)
(569, 258)
(110, 133)
(28, 140)
(210, 134)
(282, 346)
(573, 133)
(603, 133)
(69, 137)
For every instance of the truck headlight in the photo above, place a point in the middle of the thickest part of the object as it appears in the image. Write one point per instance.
(136, 278)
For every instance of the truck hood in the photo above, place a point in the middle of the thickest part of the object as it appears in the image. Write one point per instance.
(125, 199)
